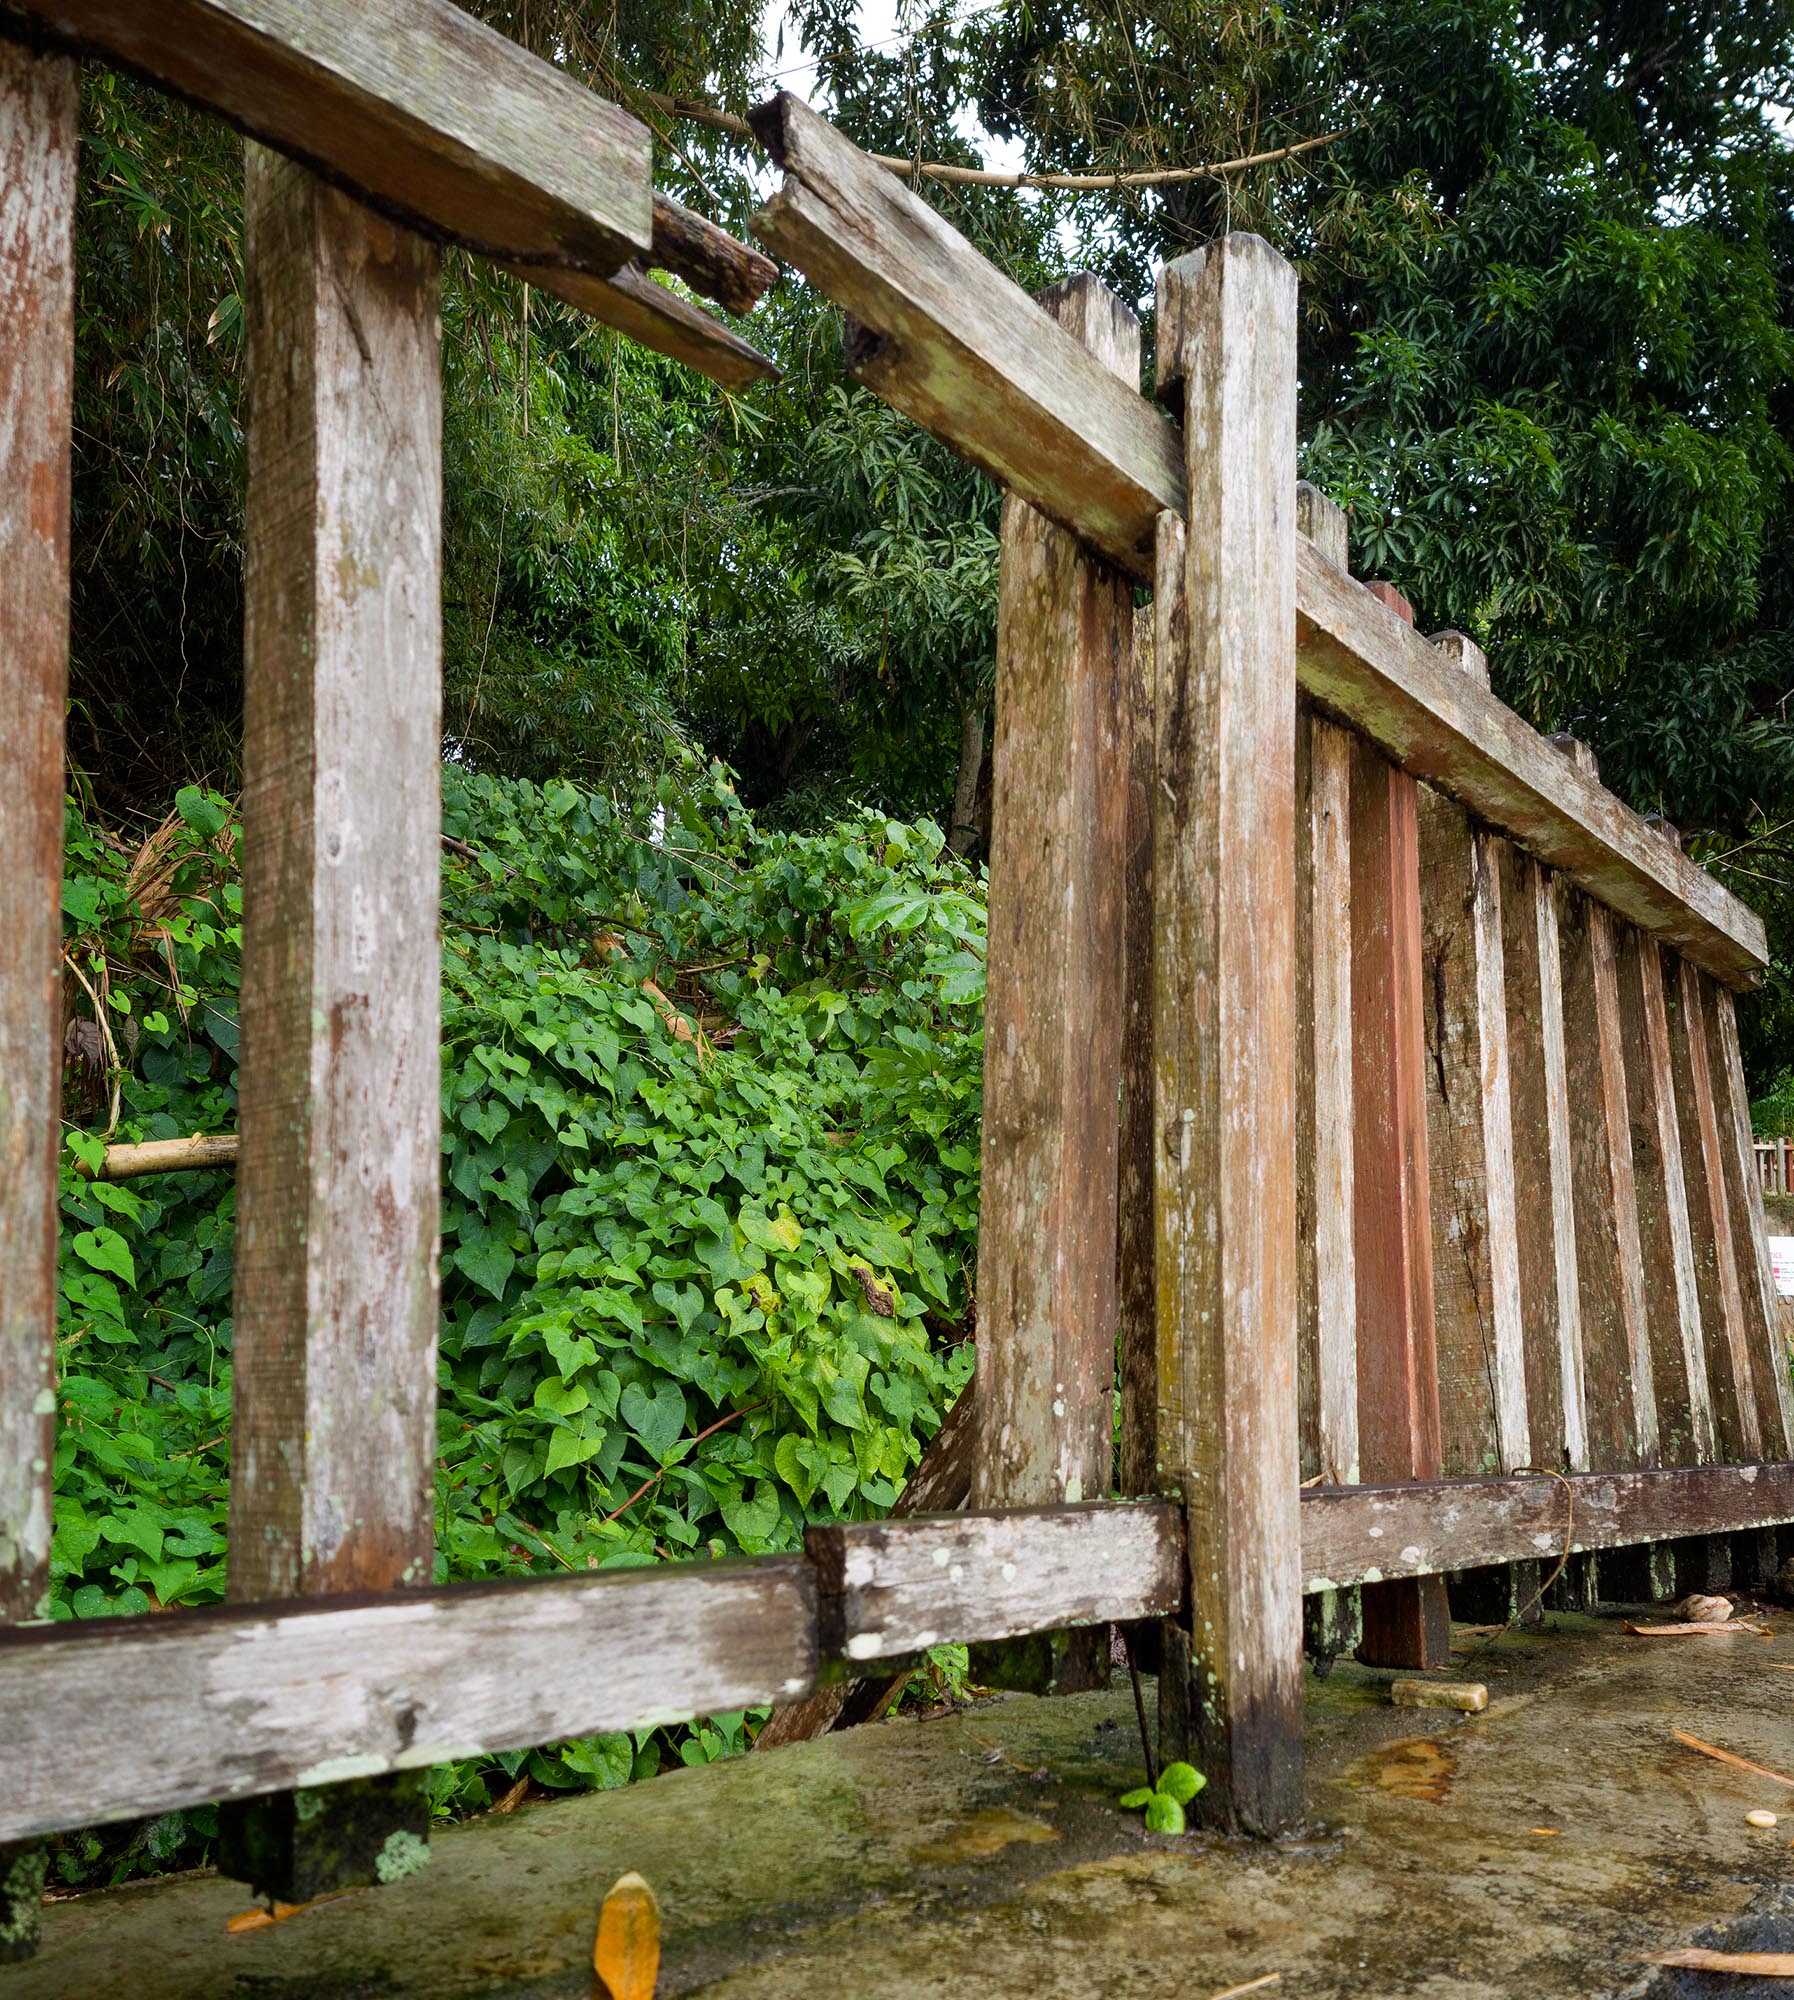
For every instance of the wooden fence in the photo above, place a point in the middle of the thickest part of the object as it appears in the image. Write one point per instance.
(1270, 869)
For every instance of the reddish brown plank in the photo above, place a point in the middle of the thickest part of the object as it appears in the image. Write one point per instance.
(1138, 1466)
(1224, 1028)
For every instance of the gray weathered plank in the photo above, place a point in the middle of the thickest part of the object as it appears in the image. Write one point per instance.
(891, 1587)
(39, 121)
(633, 303)
(944, 337)
(1052, 1066)
(1355, 1534)
(38, 139)
(127, 1716)
(334, 1406)
(1223, 1026)
(1756, 1276)
(411, 104)
(1358, 659)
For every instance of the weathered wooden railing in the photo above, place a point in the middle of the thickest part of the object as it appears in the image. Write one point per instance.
(1353, 911)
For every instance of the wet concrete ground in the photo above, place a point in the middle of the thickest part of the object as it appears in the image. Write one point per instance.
(983, 1854)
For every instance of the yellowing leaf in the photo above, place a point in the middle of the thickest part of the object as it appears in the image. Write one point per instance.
(626, 1952)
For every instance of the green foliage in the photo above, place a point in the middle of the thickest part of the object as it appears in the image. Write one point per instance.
(1164, 1802)
(710, 1104)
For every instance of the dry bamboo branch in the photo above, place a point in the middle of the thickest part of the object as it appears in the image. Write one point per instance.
(167, 1156)
(943, 170)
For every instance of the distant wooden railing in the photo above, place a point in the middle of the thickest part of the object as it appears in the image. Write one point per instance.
(1355, 913)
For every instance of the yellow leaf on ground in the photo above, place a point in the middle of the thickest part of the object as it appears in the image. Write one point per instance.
(626, 1952)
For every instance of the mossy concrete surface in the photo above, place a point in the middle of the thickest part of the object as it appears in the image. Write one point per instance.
(982, 1853)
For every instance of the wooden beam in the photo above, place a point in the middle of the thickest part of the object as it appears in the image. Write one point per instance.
(122, 1717)
(334, 1400)
(1224, 1031)
(944, 337)
(633, 303)
(1418, 1530)
(895, 1587)
(1356, 658)
(39, 137)
(411, 105)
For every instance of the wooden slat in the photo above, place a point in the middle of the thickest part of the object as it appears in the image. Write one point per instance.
(1672, 1292)
(1223, 1026)
(944, 337)
(129, 1716)
(1730, 1377)
(1365, 1532)
(1756, 1275)
(633, 303)
(894, 1587)
(1616, 1351)
(39, 118)
(334, 1406)
(38, 139)
(1470, 1147)
(1358, 659)
(411, 104)
(1046, 1243)
(1136, 1285)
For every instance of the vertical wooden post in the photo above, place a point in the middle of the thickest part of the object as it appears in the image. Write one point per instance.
(1224, 1029)
(1406, 1621)
(1327, 1296)
(334, 1411)
(39, 117)
(1052, 1067)
(1138, 1470)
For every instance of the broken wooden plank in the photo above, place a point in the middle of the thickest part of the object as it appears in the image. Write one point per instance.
(232, 1703)
(1224, 1030)
(412, 105)
(1357, 1533)
(631, 301)
(894, 1587)
(1406, 1624)
(39, 139)
(944, 337)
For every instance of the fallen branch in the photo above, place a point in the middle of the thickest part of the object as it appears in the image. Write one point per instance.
(1730, 1757)
(1693, 1958)
(747, 1409)
(166, 1156)
(945, 170)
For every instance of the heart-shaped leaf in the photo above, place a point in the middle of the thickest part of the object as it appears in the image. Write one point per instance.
(658, 1420)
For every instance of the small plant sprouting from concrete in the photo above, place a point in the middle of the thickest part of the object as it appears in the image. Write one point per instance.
(1177, 1785)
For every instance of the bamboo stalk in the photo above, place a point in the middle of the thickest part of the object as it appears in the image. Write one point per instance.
(167, 1156)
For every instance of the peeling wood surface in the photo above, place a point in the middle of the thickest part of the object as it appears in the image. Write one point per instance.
(1363, 663)
(890, 1587)
(948, 340)
(39, 117)
(1052, 1064)
(412, 105)
(1223, 1024)
(230, 1704)
(334, 1404)
(1616, 1353)
(1385, 1531)
(1671, 1291)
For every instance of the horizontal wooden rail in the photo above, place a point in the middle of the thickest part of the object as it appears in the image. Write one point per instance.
(127, 1716)
(1358, 1534)
(430, 115)
(894, 1587)
(944, 337)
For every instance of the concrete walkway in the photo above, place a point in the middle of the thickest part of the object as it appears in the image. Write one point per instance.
(982, 1854)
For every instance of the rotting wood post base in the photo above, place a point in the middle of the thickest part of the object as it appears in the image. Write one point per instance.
(1498, 1594)
(1755, 1558)
(292, 1846)
(1642, 1574)
(1703, 1563)
(1578, 1588)
(1072, 1661)
(1332, 1626)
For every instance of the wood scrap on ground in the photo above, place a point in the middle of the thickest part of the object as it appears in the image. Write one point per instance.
(1469, 1697)
(1680, 1628)
(1730, 1757)
(1693, 1958)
